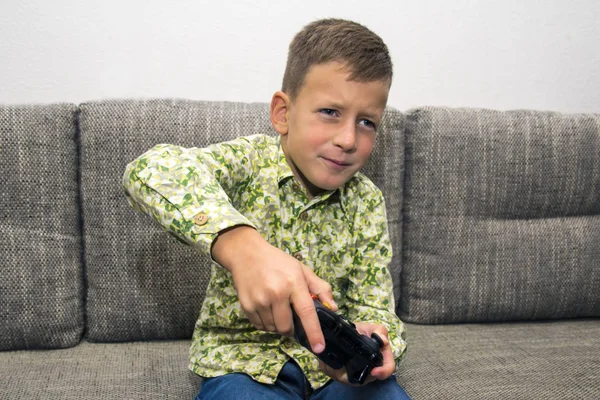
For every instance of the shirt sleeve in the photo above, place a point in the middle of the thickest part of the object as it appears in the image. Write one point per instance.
(370, 296)
(188, 191)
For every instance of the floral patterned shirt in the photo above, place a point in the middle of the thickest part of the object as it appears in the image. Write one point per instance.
(341, 235)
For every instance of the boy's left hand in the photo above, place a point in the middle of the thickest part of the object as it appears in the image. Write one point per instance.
(378, 373)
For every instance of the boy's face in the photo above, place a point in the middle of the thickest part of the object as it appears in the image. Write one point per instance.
(329, 129)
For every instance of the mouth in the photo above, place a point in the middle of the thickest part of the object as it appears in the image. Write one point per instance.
(336, 163)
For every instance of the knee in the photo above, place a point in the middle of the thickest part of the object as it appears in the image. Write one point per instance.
(386, 389)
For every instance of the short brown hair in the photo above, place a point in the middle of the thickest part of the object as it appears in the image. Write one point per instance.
(361, 50)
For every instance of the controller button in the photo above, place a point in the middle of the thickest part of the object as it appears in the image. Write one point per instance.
(377, 339)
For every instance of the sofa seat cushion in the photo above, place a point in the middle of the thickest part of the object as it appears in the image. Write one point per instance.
(513, 360)
(501, 216)
(535, 360)
(137, 370)
(41, 284)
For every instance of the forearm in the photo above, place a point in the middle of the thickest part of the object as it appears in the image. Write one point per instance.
(236, 246)
(181, 194)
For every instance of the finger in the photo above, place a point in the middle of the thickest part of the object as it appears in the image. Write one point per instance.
(266, 316)
(282, 317)
(341, 375)
(305, 309)
(255, 319)
(336, 374)
(388, 367)
(319, 287)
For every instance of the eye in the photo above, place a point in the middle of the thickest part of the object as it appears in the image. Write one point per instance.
(368, 124)
(329, 111)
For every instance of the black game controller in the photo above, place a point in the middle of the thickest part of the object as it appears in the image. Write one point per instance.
(344, 346)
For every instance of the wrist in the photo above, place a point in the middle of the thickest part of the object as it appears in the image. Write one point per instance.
(233, 245)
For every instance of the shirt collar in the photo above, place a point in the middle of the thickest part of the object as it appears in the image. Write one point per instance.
(284, 171)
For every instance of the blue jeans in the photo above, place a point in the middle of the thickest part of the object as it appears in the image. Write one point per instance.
(291, 384)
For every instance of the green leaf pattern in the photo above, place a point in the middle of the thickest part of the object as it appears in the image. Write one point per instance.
(344, 239)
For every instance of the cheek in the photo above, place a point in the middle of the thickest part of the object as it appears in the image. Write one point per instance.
(317, 140)
(365, 146)
(314, 137)
(308, 134)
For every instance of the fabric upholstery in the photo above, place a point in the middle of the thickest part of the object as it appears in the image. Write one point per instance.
(125, 371)
(529, 360)
(509, 360)
(41, 283)
(131, 263)
(502, 216)
(142, 283)
(496, 218)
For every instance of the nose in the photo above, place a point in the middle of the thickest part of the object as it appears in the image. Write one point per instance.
(345, 138)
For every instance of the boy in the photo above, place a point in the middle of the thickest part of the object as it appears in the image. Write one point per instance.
(284, 217)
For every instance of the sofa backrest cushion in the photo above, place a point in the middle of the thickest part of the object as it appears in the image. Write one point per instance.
(501, 216)
(41, 280)
(142, 283)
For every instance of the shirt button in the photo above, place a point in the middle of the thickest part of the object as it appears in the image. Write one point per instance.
(304, 216)
(201, 219)
(296, 187)
(298, 256)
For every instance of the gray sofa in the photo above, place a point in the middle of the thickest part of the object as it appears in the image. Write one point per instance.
(494, 217)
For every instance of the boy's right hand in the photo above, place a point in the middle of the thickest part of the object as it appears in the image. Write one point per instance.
(269, 282)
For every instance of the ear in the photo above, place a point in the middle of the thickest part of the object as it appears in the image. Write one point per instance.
(279, 112)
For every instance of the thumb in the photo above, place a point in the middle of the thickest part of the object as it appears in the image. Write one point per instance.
(319, 287)
(367, 329)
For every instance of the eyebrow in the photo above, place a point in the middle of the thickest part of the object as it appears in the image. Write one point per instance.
(371, 116)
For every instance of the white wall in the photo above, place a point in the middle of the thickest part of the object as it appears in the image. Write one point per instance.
(499, 54)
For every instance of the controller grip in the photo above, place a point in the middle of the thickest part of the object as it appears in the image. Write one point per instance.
(357, 370)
